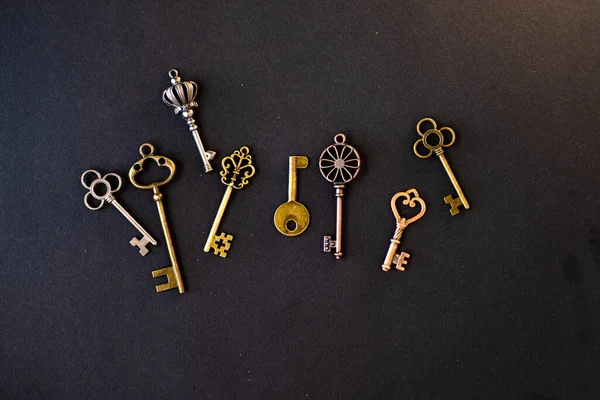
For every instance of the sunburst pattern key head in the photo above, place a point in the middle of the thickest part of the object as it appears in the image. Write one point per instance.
(237, 168)
(432, 139)
(339, 163)
(221, 244)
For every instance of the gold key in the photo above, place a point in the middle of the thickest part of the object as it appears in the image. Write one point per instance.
(401, 223)
(172, 273)
(292, 218)
(439, 151)
(237, 169)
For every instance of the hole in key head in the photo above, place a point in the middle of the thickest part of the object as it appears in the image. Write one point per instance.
(291, 225)
(161, 161)
(154, 171)
(427, 141)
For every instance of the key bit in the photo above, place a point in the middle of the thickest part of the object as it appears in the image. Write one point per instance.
(410, 198)
(438, 149)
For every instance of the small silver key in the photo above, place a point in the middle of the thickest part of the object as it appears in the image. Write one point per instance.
(107, 197)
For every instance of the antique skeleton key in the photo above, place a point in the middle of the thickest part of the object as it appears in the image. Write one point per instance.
(339, 164)
(237, 169)
(107, 197)
(401, 223)
(439, 151)
(181, 96)
(292, 218)
(172, 272)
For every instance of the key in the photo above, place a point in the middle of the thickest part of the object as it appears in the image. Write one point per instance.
(292, 218)
(172, 272)
(401, 223)
(181, 96)
(339, 164)
(237, 169)
(439, 151)
(106, 196)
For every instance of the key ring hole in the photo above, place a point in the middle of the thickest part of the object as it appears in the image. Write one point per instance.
(102, 194)
(161, 161)
(137, 167)
(84, 177)
(291, 225)
(173, 73)
(439, 143)
(340, 138)
(146, 146)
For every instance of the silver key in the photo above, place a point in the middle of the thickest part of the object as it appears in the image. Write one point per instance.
(107, 197)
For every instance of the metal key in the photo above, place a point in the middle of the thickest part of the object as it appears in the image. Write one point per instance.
(339, 164)
(107, 197)
(292, 218)
(181, 96)
(172, 272)
(439, 151)
(401, 223)
(241, 163)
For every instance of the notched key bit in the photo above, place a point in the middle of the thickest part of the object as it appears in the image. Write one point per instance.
(437, 148)
(411, 198)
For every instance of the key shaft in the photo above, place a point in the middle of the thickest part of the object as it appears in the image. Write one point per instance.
(459, 191)
(169, 241)
(217, 221)
(339, 193)
(133, 222)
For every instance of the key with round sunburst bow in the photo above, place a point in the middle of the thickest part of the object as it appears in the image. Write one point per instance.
(339, 164)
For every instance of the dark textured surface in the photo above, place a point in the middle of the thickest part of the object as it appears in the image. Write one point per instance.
(500, 301)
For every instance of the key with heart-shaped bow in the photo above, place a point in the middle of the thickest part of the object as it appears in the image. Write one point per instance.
(172, 272)
(411, 199)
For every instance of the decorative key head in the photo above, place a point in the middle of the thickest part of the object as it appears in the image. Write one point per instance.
(237, 168)
(407, 201)
(340, 162)
(147, 152)
(100, 188)
(426, 136)
(181, 95)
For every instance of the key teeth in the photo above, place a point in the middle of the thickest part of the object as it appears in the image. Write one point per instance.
(454, 204)
(141, 243)
(171, 281)
(401, 260)
(222, 248)
(327, 244)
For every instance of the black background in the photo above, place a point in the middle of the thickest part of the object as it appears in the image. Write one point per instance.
(500, 301)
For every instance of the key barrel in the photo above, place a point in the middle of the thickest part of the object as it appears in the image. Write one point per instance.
(389, 257)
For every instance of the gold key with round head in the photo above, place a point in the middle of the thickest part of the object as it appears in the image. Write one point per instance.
(237, 169)
(438, 149)
(292, 218)
(172, 272)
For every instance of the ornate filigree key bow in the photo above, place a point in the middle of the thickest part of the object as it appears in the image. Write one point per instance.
(401, 223)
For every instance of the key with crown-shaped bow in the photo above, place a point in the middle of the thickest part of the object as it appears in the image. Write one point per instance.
(439, 151)
(237, 169)
(411, 198)
(106, 196)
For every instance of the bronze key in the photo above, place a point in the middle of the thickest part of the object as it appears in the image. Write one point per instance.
(439, 151)
(172, 272)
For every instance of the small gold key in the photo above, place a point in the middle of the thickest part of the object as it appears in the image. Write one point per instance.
(237, 169)
(401, 223)
(172, 272)
(292, 218)
(439, 151)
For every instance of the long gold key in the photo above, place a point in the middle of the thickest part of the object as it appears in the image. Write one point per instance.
(439, 151)
(292, 218)
(172, 272)
(237, 169)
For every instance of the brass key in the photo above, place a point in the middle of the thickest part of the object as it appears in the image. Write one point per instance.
(172, 272)
(439, 151)
(237, 169)
(292, 218)
(401, 223)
